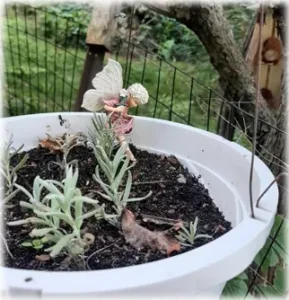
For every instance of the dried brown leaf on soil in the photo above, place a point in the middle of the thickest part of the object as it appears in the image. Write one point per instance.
(51, 144)
(176, 224)
(42, 257)
(140, 237)
(59, 142)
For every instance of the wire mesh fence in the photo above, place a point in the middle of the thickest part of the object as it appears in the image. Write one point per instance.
(42, 70)
(44, 56)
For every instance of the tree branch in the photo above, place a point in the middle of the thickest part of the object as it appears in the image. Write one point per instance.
(207, 21)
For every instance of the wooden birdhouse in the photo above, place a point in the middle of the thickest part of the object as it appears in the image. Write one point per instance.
(272, 60)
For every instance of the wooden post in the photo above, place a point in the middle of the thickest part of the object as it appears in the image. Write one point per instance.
(99, 38)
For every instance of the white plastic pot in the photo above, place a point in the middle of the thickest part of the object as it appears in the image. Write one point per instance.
(224, 169)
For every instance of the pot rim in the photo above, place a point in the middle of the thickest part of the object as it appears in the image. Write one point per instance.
(249, 234)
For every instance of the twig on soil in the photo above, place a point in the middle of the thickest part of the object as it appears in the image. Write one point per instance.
(151, 182)
(97, 251)
(6, 246)
(161, 220)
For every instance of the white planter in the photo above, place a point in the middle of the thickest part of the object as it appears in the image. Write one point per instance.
(224, 167)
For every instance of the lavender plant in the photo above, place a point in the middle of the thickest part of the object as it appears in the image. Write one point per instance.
(188, 236)
(8, 172)
(102, 133)
(114, 169)
(59, 214)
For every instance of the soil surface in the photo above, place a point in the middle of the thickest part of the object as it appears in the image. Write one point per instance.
(173, 197)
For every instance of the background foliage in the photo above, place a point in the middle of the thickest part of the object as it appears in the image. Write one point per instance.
(59, 32)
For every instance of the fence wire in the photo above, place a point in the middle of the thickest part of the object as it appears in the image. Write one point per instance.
(43, 65)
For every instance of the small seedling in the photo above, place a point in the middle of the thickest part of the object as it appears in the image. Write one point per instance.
(36, 243)
(187, 237)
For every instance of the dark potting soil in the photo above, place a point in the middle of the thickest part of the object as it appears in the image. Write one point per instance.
(172, 198)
